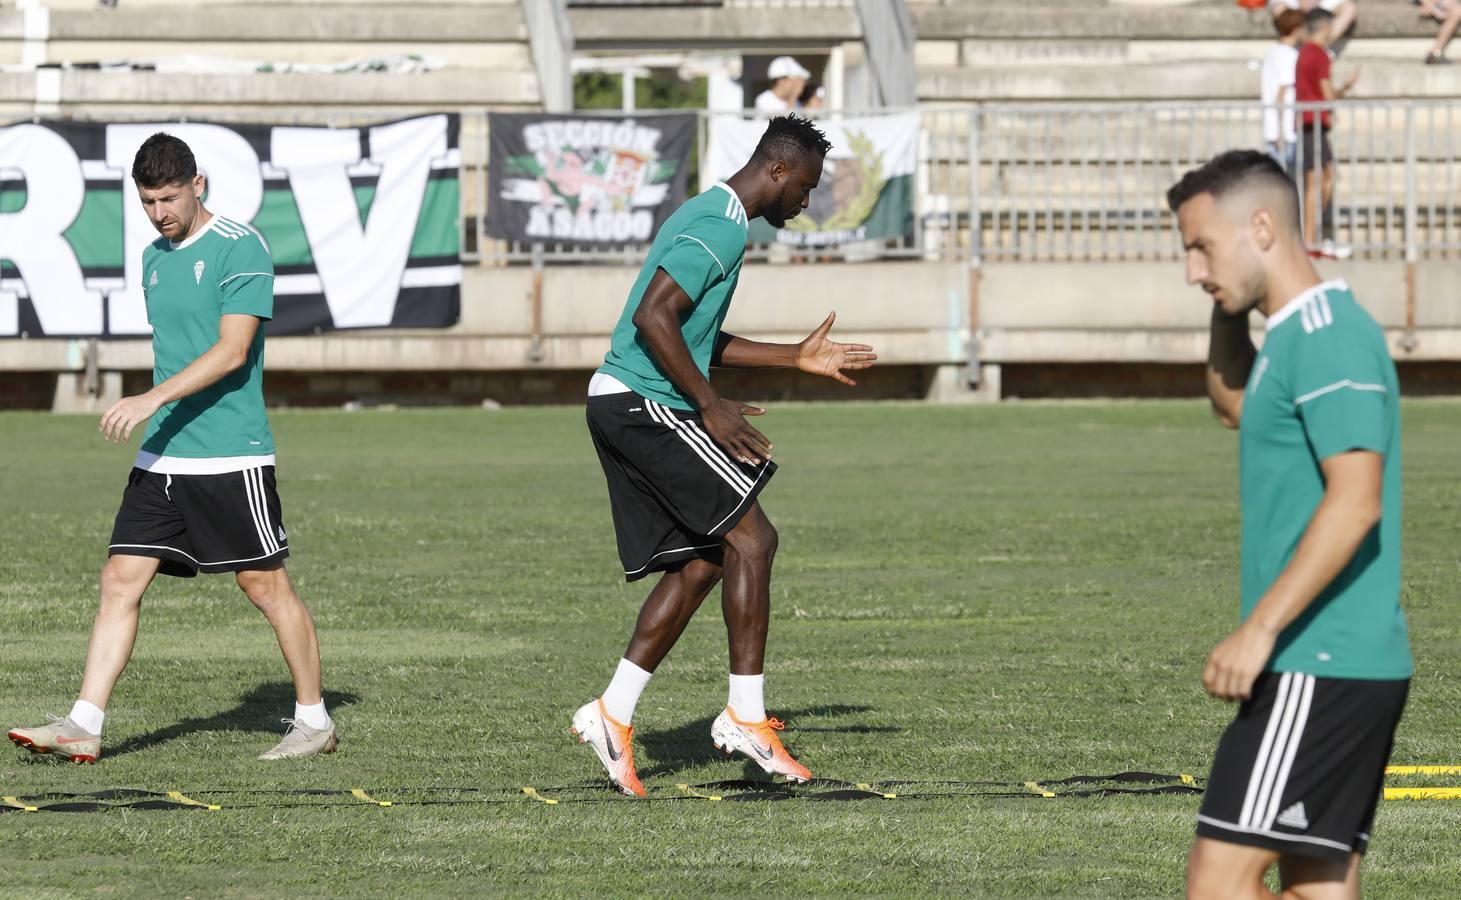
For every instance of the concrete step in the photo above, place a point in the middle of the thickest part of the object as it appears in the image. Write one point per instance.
(309, 23)
(1198, 80)
(1206, 21)
(1117, 52)
(203, 95)
(171, 6)
(630, 27)
(465, 55)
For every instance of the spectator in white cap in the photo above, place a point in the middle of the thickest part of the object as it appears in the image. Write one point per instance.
(788, 80)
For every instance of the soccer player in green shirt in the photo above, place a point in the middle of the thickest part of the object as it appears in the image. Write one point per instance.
(201, 495)
(683, 466)
(1321, 662)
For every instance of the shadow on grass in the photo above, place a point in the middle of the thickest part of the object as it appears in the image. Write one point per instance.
(689, 745)
(258, 710)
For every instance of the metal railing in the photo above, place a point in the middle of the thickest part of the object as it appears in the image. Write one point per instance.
(1065, 182)
(1082, 182)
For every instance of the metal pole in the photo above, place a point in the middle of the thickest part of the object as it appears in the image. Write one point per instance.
(535, 345)
(93, 376)
(976, 214)
(976, 248)
(1408, 343)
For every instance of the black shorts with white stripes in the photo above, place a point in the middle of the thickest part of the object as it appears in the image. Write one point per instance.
(1300, 770)
(674, 492)
(230, 522)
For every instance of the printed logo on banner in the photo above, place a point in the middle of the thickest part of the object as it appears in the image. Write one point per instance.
(362, 224)
(866, 191)
(584, 179)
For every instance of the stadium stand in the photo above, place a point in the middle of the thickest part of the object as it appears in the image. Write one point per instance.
(479, 47)
(1073, 50)
(1074, 113)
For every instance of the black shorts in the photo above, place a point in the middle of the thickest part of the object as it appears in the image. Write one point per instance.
(1300, 770)
(674, 492)
(1314, 149)
(202, 523)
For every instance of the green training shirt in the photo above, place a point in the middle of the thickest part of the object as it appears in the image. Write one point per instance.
(700, 247)
(1323, 384)
(223, 269)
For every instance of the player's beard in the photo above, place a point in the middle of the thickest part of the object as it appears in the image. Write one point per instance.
(780, 212)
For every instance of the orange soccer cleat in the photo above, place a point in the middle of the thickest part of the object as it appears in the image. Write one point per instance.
(612, 742)
(759, 743)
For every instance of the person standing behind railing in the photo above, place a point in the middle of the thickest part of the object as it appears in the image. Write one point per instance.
(1280, 125)
(1344, 12)
(1312, 84)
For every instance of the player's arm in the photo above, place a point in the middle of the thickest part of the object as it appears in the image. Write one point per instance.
(235, 335)
(658, 321)
(1230, 355)
(1351, 507)
(817, 354)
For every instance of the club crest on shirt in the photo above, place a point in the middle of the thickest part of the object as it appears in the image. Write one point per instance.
(153, 281)
(198, 272)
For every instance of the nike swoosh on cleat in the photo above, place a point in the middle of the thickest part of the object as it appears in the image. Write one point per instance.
(66, 740)
(764, 754)
(615, 755)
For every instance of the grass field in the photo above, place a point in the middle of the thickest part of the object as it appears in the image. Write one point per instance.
(1012, 593)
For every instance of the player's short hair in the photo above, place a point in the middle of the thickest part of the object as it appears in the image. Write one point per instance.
(1232, 171)
(790, 139)
(1289, 21)
(1318, 16)
(163, 159)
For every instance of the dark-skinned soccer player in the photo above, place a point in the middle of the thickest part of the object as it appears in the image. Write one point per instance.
(684, 467)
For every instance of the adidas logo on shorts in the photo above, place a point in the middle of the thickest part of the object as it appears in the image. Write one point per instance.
(1294, 817)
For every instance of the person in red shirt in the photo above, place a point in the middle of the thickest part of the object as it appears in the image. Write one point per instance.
(1313, 84)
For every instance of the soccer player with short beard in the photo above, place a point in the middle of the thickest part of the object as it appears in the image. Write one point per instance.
(201, 495)
(684, 467)
(1321, 662)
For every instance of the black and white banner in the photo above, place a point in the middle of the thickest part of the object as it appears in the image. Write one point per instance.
(564, 179)
(363, 224)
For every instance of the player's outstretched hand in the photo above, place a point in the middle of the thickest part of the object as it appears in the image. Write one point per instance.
(1235, 664)
(822, 356)
(124, 415)
(725, 421)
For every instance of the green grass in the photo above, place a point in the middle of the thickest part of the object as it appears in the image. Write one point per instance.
(1003, 593)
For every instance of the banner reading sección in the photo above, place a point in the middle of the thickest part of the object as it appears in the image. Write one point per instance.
(362, 223)
(867, 181)
(586, 180)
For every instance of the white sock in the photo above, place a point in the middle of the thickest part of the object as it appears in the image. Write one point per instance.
(88, 715)
(622, 694)
(313, 715)
(745, 699)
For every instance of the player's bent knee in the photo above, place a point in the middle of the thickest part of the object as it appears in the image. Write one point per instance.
(701, 574)
(757, 539)
(120, 585)
(262, 589)
(1218, 870)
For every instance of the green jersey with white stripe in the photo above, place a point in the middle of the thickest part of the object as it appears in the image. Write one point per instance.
(223, 269)
(700, 246)
(1324, 384)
